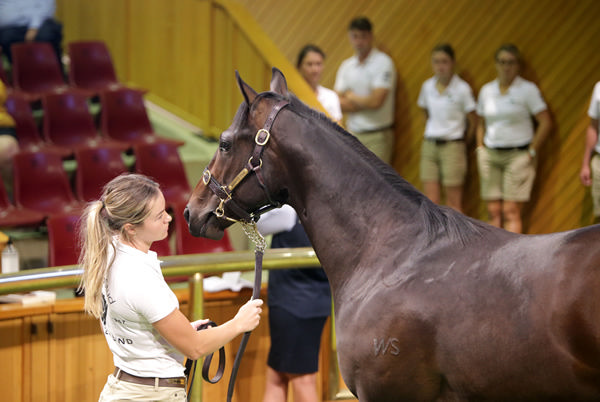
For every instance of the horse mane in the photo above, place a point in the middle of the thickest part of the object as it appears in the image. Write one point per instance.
(438, 222)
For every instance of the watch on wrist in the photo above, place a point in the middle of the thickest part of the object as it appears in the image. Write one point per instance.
(532, 152)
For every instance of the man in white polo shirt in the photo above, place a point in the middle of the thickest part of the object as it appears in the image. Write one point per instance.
(366, 85)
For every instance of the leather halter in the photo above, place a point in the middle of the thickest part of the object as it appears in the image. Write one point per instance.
(254, 165)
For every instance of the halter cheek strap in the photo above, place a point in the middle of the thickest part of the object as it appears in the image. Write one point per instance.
(254, 165)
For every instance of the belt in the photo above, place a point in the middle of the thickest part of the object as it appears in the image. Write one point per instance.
(374, 130)
(175, 382)
(520, 148)
(441, 141)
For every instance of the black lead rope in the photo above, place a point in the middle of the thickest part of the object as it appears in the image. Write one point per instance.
(190, 365)
(258, 254)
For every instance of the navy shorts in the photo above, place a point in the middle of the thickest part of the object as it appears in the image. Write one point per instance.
(295, 342)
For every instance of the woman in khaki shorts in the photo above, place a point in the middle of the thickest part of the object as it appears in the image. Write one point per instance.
(506, 141)
(449, 108)
(590, 166)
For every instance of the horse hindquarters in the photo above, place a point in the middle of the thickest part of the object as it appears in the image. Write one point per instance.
(389, 360)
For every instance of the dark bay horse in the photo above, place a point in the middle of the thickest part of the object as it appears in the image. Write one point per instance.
(430, 305)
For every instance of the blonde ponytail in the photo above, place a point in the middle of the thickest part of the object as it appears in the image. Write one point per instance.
(96, 238)
(125, 199)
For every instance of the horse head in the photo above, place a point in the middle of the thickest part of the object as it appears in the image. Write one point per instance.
(241, 180)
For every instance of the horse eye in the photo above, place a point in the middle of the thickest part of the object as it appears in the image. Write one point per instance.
(224, 145)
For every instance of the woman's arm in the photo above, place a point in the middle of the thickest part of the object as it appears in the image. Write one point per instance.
(591, 139)
(480, 131)
(179, 332)
(543, 129)
(352, 102)
(471, 127)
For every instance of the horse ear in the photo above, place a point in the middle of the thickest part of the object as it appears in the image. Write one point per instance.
(278, 83)
(247, 91)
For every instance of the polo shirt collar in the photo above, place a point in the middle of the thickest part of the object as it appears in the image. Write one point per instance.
(151, 256)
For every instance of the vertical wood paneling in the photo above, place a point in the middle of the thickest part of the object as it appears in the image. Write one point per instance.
(186, 52)
(11, 355)
(558, 41)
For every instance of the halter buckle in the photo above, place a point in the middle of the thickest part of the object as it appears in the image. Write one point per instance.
(206, 176)
(257, 139)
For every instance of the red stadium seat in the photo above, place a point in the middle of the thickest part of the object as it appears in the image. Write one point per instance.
(161, 162)
(91, 66)
(12, 216)
(123, 117)
(69, 123)
(35, 70)
(63, 243)
(95, 168)
(26, 128)
(41, 184)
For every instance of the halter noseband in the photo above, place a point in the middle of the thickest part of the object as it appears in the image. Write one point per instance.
(225, 192)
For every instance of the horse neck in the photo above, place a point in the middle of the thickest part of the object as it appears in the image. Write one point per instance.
(344, 199)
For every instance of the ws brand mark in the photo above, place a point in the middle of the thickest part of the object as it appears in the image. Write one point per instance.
(383, 346)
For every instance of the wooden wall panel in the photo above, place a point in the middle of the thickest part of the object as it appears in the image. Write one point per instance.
(186, 52)
(12, 371)
(557, 39)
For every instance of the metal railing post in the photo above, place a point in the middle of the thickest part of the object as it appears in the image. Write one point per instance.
(196, 307)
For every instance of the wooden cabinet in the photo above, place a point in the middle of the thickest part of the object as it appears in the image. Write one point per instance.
(56, 353)
(51, 353)
(80, 360)
(12, 338)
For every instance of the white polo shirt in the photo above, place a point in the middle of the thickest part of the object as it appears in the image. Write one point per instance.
(594, 110)
(508, 117)
(330, 101)
(136, 295)
(377, 71)
(446, 111)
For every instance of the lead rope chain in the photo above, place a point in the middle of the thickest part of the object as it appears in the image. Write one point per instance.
(260, 245)
(255, 236)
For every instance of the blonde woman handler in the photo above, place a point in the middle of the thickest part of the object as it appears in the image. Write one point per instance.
(124, 287)
(507, 144)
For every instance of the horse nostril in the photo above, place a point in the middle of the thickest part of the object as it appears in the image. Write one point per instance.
(186, 214)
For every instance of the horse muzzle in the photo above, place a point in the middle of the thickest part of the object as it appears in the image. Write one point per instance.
(205, 223)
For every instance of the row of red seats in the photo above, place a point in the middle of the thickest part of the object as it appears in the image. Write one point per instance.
(69, 130)
(36, 70)
(41, 184)
(68, 124)
(42, 193)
